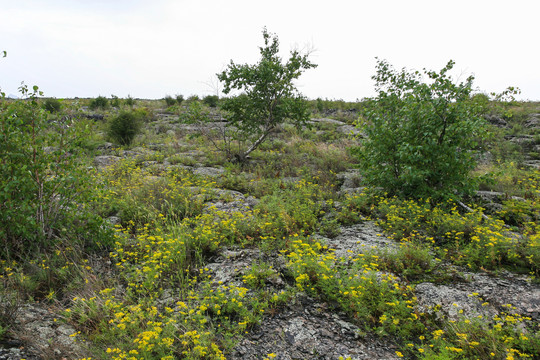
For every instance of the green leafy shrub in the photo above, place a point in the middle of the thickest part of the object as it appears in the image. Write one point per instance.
(420, 136)
(124, 127)
(42, 186)
(100, 102)
(179, 99)
(129, 101)
(52, 105)
(169, 100)
(115, 101)
(194, 114)
(192, 98)
(211, 100)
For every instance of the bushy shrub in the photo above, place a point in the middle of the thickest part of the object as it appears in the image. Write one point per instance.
(129, 101)
(192, 98)
(195, 113)
(169, 100)
(100, 102)
(124, 127)
(211, 100)
(420, 135)
(42, 186)
(179, 99)
(52, 105)
(115, 101)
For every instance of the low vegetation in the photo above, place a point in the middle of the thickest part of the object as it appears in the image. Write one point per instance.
(124, 252)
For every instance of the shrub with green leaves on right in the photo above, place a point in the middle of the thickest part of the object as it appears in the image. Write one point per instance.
(421, 132)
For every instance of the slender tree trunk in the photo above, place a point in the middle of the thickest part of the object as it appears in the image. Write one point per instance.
(258, 142)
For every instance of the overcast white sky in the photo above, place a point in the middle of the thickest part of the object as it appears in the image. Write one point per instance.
(149, 49)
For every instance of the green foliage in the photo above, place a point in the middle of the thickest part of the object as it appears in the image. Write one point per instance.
(115, 101)
(420, 136)
(504, 102)
(258, 275)
(507, 336)
(268, 93)
(124, 127)
(411, 260)
(100, 102)
(211, 100)
(10, 305)
(320, 105)
(42, 187)
(465, 239)
(129, 101)
(169, 100)
(192, 98)
(179, 99)
(293, 210)
(194, 114)
(375, 301)
(52, 105)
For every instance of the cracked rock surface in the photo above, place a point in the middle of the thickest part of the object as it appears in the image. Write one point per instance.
(306, 329)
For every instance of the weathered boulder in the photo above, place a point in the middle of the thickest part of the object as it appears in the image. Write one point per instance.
(482, 295)
(496, 120)
(209, 171)
(532, 122)
(44, 335)
(359, 238)
(104, 161)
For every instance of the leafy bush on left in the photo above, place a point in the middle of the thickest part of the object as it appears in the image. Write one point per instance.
(44, 186)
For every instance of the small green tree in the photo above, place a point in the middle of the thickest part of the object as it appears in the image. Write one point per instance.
(268, 94)
(420, 135)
